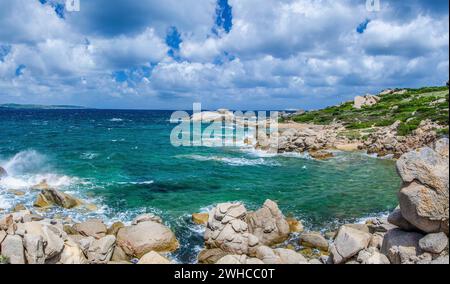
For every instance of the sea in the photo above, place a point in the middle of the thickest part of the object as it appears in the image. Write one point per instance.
(123, 162)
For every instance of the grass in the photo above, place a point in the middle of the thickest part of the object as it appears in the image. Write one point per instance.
(4, 259)
(410, 109)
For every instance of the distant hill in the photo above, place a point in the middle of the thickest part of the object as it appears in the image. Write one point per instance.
(30, 106)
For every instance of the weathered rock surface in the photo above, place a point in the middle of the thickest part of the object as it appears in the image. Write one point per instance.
(238, 259)
(153, 258)
(367, 100)
(145, 218)
(295, 226)
(227, 230)
(72, 254)
(314, 240)
(101, 250)
(402, 247)
(372, 256)
(268, 224)
(144, 237)
(91, 228)
(434, 243)
(211, 256)
(348, 243)
(34, 249)
(396, 218)
(12, 248)
(279, 256)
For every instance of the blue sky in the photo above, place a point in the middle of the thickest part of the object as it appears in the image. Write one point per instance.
(239, 54)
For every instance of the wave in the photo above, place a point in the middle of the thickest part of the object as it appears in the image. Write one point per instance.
(115, 119)
(264, 154)
(89, 156)
(231, 161)
(136, 182)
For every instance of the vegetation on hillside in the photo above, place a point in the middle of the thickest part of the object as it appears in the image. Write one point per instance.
(410, 108)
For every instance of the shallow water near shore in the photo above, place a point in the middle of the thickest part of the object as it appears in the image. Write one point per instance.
(124, 163)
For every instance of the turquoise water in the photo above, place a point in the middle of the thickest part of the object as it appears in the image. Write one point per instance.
(123, 162)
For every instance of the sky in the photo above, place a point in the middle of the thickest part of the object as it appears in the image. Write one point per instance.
(236, 54)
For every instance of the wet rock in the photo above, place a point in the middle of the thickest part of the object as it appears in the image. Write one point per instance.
(314, 240)
(295, 226)
(146, 218)
(200, 218)
(321, 155)
(137, 240)
(50, 197)
(19, 207)
(3, 173)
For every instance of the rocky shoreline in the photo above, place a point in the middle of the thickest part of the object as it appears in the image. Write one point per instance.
(415, 233)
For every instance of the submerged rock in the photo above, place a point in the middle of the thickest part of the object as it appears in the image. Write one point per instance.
(321, 155)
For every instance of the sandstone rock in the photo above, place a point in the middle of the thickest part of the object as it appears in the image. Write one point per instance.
(146, 218)
(396, 218)
(72, 254)
(12, 248)
(434, 243)
(314, 240)
(227, 230)
(295, 226)
(137, 240)
(153, 258)
(211, 256)
(401, 247)
(101, 250)
(92, 227)
(424, 208)
(114, 229)
(268, 224)
(348, 243)
(200, 218)
(372, 256)
(34, 249)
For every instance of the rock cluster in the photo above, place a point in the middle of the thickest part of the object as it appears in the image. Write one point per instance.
(367, 100)
(27, 238)
(385, 141)
(235, 236)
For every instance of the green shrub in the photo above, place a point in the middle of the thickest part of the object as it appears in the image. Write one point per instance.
(4, 259)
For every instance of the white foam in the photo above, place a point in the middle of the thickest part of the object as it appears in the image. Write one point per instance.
(137, 182)
(115, 119)
(231, 161)
(89, 156)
